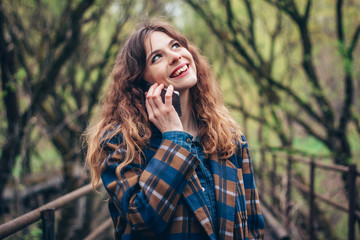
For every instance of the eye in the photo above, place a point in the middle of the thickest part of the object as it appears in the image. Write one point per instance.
(175, 45)
(156, 57)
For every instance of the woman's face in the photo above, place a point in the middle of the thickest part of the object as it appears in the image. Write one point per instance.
(168, 62)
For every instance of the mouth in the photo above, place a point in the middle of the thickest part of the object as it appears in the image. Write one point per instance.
(183, 68)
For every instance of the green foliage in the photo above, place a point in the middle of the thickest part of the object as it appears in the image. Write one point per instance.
(310, 145)
(17, 170)
(35, 233)
(20, 75)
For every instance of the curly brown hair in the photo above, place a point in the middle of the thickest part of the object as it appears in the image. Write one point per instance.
(123, 110)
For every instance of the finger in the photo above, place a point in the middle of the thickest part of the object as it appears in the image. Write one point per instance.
(150, 111)
(148, 108)
(150, 101)
(157, 96)
(158, 89)
(150, 93)
(170, 90)
(168, 95)
(151, 90)
(150, 104)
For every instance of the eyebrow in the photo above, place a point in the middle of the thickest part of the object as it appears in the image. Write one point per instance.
(157, 50)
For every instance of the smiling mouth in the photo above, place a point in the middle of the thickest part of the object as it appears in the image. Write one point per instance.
(179, 71)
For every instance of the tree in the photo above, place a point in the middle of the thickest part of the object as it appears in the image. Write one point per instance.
(260, 51)
(38, 82)
(55, 59)
(301, 55)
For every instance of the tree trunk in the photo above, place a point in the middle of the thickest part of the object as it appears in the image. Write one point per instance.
(14, 131)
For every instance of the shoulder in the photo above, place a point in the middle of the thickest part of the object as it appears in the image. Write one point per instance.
(242, 151)
(242, 143)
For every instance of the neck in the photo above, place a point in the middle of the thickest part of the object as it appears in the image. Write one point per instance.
(187, 119)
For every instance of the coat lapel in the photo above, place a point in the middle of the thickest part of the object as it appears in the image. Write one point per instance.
(195, 199)
(225, 179)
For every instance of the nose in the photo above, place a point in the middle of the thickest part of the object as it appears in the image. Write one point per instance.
(174, 57)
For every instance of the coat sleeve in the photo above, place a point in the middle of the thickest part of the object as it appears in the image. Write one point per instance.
(255, 218)
(146, 196)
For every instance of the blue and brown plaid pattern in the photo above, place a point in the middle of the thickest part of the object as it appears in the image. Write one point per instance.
(164, 199)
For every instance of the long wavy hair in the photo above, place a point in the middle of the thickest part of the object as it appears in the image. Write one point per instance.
(123, 110)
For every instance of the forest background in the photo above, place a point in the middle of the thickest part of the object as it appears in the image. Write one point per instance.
(289, 71)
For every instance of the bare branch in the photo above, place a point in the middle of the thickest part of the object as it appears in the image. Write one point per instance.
(42, 88)
(66, 122)
(114, 40)
(260, 73)
(252, 40)
(274, 36)
(230, 18)
(18, 31)
(279, 127)
(317, 107)
(247, 114)
(209, 19)
(356, 121)
(307, 10)
(339, 23)
(354, 41)
(290, 8)
(308, 128)
(251, 18)
(349, 94)
(347, 62)
(60, 33)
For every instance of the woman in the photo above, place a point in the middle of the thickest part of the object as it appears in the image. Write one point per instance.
(171, 177)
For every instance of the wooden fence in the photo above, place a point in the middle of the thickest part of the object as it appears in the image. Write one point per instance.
(47, 214)
(47, 211)
(292, 183)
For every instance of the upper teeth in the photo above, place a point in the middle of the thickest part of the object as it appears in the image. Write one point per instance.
(184, 68)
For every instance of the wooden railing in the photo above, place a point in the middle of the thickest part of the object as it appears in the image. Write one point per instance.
(348, 207)
(47, 214)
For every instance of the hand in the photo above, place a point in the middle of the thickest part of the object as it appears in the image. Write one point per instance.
(162, 115)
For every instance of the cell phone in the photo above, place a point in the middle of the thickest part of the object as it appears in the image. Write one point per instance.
(175, 100)
(175, 97)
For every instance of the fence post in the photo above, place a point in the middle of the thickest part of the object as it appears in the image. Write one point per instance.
(288, 193)
(273, 181)
(312, 197)
(352, 196)
(48, 224)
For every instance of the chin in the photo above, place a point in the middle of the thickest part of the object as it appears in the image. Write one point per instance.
(184, 88)
(185, 84)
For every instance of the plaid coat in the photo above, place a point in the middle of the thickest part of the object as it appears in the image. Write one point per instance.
(159, 196)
